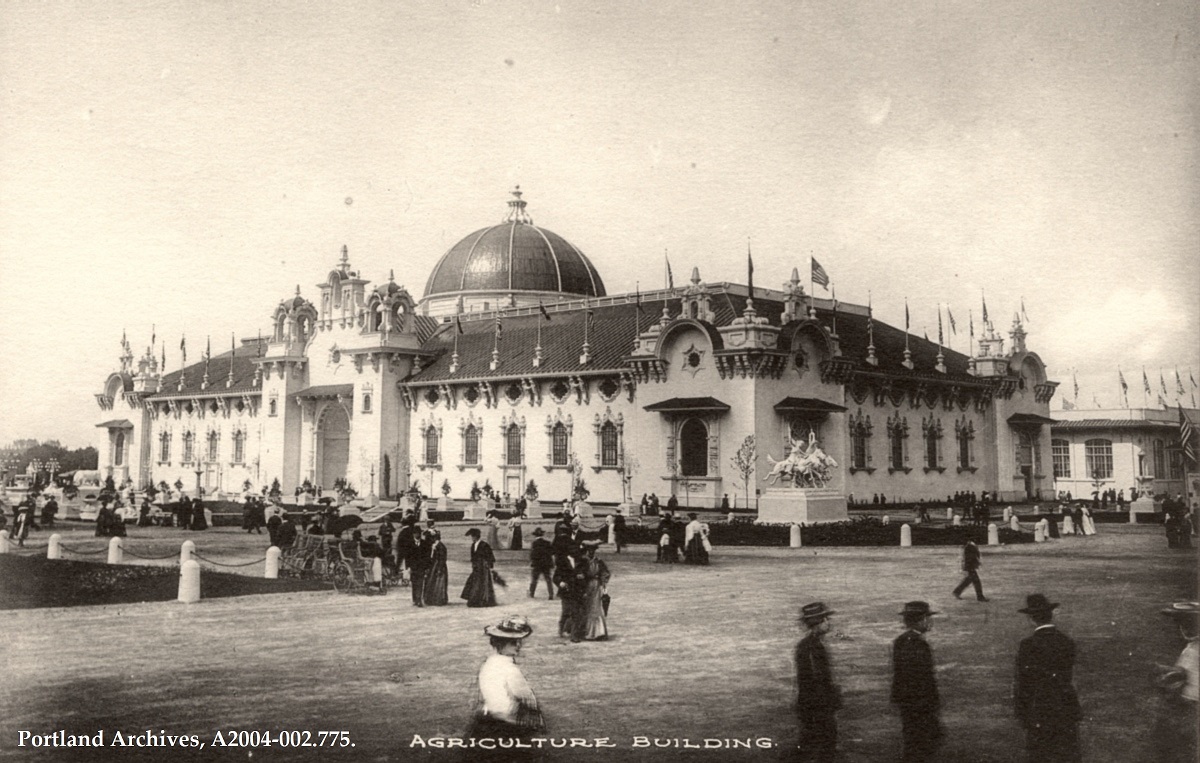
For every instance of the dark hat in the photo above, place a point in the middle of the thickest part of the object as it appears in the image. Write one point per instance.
(692, 514)
(539, 531)
(815, 612)
(1183, 609)
(472, 532)
(511, 627)
(1036, 602)
(917, 608)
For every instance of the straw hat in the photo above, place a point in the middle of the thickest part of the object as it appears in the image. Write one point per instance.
(511, 627)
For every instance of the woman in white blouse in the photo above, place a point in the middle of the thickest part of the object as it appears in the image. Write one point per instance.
(506, 708)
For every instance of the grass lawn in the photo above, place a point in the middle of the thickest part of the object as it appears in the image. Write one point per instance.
(697, 653)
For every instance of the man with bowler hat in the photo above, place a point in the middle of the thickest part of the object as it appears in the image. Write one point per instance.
(1044, 693)
(970, 565)
(817, 698)
(914, 688)
(541, 563)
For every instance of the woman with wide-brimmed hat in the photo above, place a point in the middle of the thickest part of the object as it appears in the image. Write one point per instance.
(1175, 726)
(506, 707)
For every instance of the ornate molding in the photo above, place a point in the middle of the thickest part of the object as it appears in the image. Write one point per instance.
(837, 371)
(1045, 391)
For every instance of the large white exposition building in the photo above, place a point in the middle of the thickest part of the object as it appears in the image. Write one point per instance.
(516, 363)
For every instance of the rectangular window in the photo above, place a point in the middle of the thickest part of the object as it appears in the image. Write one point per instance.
(164, 448)
(1176, 464)
(608, 444)
(558, 438)
(1160, 458)
(1060, 452)
(1098, 455)
(860, 448)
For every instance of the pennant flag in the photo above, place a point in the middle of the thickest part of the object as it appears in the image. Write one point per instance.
(499, 329)
(670, 275)
(1095, 400)
(1075, 379)
(985, 318)
(906, 322)
(1067, 405)
(749, 270)
(941, 338)
(1185, 436)
(1178, 383)
(542, 310)
(458, 324)
(953, 325)
(1192, 378)
(638, 299)
(1124, 386)
(1146, 382)
(1162, 382)
(870, 316)
(1024, 315)
(1163, 403)
(971, 323)
(183, 349)
(154, 338)
(819, 276)
(208, 350)
(163, 367)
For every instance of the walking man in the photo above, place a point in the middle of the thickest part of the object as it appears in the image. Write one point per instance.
(1044, 693)
(541, 563)
(914, 688)
(817, 698)
(970, 565)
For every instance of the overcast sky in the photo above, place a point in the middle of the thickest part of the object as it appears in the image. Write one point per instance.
(186, 165)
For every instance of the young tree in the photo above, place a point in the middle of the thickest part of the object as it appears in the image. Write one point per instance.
(744, 461)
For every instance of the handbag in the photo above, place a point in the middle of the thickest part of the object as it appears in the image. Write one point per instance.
(604, 601)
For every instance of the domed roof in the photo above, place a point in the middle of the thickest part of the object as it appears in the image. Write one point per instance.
(515, 255)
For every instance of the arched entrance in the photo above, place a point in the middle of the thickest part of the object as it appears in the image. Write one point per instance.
(333, 439)
(693, 448)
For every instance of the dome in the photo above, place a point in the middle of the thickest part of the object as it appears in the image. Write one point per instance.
(514, 256)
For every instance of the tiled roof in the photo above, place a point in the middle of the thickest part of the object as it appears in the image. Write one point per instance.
(612, 341)
(218, 373)
(326, 390)
(1088, 425)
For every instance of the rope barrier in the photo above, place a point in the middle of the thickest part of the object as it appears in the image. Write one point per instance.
(171, 555)
(14, 547)
(65, 547)
(219, 564)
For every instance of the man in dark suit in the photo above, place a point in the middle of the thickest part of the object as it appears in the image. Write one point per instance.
(970, 565)
(914, 688)
(1043, 693)
(541, 562)
(817, 698)
(418, 563)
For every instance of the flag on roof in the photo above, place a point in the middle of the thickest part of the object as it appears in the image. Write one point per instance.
(1067, 405)
(941, 338)
(749, 270)
(1162, 382)
(458, 323)
(638, 299)
(183, 348)
(1178, 383)
(950, 317)
(1075, 379)
(985, 318)
(1121, 378)
(1186, 430)
(542, 310)
(1146, 382)
(670, 275)
(819, 276)
(499, 328)
(1024, 315)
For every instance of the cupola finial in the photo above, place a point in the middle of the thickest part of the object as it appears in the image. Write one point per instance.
(516, 209)
(344, 264)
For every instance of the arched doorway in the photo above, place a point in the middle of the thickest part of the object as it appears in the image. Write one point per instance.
(693, 448)
(333, 435)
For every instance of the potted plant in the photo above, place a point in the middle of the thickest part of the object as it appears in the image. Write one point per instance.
(444, 502)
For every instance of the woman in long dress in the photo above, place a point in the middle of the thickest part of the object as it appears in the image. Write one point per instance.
(437, 578)
(493, 530)
(514, 533)
(591, 623)
(505, 707)
(478, 590)
(1089, 525)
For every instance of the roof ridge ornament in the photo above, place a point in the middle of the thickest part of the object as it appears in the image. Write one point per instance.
(344, 263)
(516, 209)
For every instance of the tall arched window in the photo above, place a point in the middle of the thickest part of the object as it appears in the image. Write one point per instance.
(860, 441)
(471, 445)
(119, 449)
(608, 444)
(239, 447)
(1098, 455)
(189, 447)
(558, 445)
(431, 445)
(512, 439)
(1060, 453)
(898, 444)
(693, 448)
(164, 447)
(214, 441)
(1160, 459)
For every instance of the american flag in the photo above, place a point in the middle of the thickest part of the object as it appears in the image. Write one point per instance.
(953, 325)
(819, 276)
(1124, 386)
(1146, 382)
(1185, 435)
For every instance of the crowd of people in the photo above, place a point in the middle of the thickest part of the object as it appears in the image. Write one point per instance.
(677, 537)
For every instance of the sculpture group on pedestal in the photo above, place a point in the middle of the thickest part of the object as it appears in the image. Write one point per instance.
(806, 465)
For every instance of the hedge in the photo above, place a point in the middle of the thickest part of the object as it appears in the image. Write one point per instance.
(860, 531)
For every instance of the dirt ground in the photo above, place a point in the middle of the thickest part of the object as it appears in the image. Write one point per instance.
(697, 654)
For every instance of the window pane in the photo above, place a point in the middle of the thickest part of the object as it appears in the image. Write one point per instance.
(608, 444)
(514, 445)
(558, 437)
(471, 446)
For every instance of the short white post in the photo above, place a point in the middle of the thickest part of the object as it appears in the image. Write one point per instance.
(1014, 524)
(185, 552)
(272, 568)
(189, 582)
(905, 536)
(3, 541)
(1132, 516)
(794, 536)
(993, 535)
(730, 518)
(886, 519)
(115, 551)
(949, 512)
(1007, 513)
(957, 521)
(1037, 509)
(610, 534)
(377, 570)
(54, 549)
(1039, 533)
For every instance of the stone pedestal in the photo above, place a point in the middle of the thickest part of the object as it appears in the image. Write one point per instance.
(443, 503)
(802, 505)
(1143, 505)
(583, 510)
